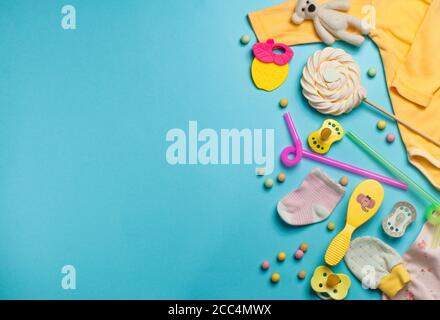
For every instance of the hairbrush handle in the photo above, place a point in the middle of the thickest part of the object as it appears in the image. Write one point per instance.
(339, 246)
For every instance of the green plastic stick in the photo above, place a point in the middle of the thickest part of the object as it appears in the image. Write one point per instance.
(392, 168)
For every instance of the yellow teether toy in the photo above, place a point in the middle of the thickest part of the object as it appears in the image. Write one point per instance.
(268, 76)
(364, 202)
(330, 132)
(328, 285)
(270, 67)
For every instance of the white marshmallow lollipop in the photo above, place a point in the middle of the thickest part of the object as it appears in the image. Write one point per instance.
(331, 83)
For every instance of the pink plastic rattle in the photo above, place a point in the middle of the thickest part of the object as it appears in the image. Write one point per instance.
(292, 155)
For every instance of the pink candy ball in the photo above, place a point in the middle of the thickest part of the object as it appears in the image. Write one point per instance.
(390, 138)
(265, 265)
(299, 254)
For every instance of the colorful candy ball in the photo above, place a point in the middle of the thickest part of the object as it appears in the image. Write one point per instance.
(284, 103)
(302, 274)
(391, 138)
(299, 254)
(281, 177)
(372, 72)
(268, 184)
(343, 181)
(275, 277)
(265, 265)
(281, 256)
(331, 226)
(381, 125)
(304, 247)
(245, 39)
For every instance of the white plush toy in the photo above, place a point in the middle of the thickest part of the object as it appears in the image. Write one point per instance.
(329, 23)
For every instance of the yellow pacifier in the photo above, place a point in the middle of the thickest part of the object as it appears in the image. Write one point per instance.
(330, 132)
(328, 285)
(365, 201)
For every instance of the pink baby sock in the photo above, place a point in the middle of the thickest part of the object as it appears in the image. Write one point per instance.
(313, 201)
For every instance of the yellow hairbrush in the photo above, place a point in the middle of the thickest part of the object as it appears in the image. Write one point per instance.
(364, 202)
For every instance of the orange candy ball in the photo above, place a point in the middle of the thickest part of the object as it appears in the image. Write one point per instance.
(281, 177)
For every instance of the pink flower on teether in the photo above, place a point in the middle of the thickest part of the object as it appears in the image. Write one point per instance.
(265, 52)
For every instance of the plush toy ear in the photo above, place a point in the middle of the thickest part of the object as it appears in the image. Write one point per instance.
(296, 19)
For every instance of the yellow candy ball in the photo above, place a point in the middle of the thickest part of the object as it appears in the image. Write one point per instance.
(302, 274)
(304, 247)
(381, 125)
(284, 103)
(268, 183)
(281, 256)
(275, 277)
(343, 181)
(331, 226)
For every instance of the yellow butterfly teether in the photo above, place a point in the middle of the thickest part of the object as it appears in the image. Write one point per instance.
(364, 202)
(328, 285)
(330, 132)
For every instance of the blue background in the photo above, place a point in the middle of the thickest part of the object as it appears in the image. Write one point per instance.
(84, 178)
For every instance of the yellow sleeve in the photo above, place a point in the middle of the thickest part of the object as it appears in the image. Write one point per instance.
(418, 78)
(275, 23)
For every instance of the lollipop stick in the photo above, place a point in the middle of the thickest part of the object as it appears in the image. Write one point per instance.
(404, 123)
